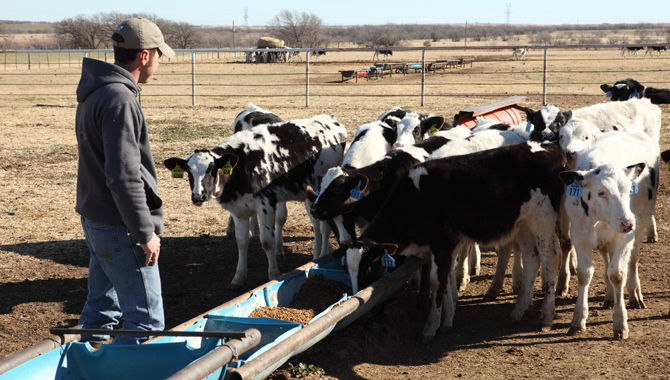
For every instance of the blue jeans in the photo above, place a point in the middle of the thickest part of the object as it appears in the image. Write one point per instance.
(119, 284)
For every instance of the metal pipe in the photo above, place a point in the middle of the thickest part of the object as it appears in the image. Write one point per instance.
(307, 53)
(423, 76)
(193, 78)
(141, 333)
(18, 358)
(218, 357)
(252, 368)
(544, 79)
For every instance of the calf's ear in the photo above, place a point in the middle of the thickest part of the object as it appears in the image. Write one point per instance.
(173, 162)
(359, 178)
(390, 248)
(665, 156)
(529, 111)
(227, 161)
(567, 115)
(569, 177)
(605, 87)
(634, 171)
(433, 122)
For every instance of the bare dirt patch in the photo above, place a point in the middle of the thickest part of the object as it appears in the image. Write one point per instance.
(43, 257)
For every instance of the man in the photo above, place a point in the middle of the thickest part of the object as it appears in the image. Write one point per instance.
(121, 213)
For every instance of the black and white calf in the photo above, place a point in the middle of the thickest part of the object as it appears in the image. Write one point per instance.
(250, 117)
(610, 204)
(414, 127)
(357, 194)
(371, 143)
(630, 88)
(317, 54)
(440, 206)
(549, 119)
(631, 50)
(385, 53)
(651, 49)
(520, 53)
(254, 169)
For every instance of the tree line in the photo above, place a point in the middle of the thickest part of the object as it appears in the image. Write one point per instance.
(307, 30)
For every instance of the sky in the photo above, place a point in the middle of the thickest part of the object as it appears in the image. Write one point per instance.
(354, 12)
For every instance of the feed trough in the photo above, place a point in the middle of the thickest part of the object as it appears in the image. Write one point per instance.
(187, 352)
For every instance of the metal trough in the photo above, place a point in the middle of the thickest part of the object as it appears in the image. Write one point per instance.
(268, 345)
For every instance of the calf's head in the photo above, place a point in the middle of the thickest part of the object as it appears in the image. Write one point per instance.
(413, 128)
(623, 89)
(204, 170)
(575, 137)
(364, 261)
(335, 193)
(606, 193)
(546, 122)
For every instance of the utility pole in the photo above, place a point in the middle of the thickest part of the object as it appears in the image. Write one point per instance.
(246, 16)
(509, 11)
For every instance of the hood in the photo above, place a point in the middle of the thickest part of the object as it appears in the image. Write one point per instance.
(95, 74)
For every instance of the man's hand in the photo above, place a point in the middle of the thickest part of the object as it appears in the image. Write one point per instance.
(152, 249)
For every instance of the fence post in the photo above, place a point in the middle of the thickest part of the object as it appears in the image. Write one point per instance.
(307, 79)
(544, 79)
(28, 61)
(423, 76)
(193, 78)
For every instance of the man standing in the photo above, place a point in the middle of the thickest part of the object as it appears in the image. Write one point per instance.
(121, 213)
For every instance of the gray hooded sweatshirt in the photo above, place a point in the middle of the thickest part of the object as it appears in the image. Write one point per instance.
(116, 181)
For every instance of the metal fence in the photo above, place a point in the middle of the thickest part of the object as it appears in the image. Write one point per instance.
(208, 76)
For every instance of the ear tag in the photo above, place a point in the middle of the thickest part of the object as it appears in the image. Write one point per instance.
(633, 187)
(387, 260)
(177, 172)
(317, 192)
(529, 127)
(356, 192)
(635, 95)
(433, 130)
(608, 94)
(574, 190)
(344, 261)
(667, 166)
(227, 169)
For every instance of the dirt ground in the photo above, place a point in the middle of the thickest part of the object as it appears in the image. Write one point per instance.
(43, 257)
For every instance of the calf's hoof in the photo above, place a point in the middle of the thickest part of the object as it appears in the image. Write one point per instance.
(426, 339)
(544, 327)
(620, 334)
(636, 304)
(488, 297)
(575, 330)
(517, 314)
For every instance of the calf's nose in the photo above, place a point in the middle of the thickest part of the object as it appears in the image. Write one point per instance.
(627, 226)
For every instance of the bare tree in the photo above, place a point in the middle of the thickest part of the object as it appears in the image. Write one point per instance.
(182, 35)
(299, 30)
(82, 32)
(4, 36)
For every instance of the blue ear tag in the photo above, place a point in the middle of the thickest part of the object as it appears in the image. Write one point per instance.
(344, 260)
(529, 126)
(608, 94)
(356, 191)
(574, 190)
(317, 192)
(633, 187)
(387, 260)
(635, 95)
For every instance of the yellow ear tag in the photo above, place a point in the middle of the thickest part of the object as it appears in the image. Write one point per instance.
(432, 131)
(227, 169)
(177, 172)
(667, 165)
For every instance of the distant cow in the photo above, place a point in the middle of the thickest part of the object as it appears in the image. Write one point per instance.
(630, 88)
(631, 50)
(254, 169)
(317, 54)
(489, 197)
(385, 53)
(520, 53)
(657, 49)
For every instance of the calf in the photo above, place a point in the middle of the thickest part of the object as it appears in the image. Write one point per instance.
(610, 203)
(385, 53)
(520, 53)
(630, 88)
(254, 169)
(372, 183)
(250, 117)
(651, 49)
(439, 206)
(631, 50)
(317, 54)
(415, 127)
(606, 116)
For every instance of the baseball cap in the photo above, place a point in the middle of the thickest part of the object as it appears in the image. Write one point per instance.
(140, 33)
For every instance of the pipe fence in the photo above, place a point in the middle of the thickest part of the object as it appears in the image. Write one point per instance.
(215, 76)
